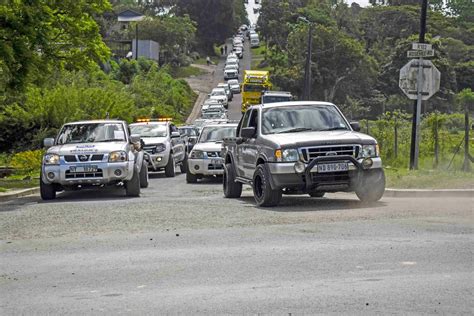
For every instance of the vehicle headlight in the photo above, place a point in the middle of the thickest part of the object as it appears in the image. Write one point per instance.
(370, 151)
(160, 148)
(51, 159)
(286, 155)
(197, 154)
(118, 156)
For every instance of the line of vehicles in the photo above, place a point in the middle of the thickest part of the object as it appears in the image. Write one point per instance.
(279, 147)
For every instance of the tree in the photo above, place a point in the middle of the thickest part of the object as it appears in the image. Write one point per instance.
(38, 36)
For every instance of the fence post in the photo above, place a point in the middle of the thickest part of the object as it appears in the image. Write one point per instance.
(467, 162)
(395, 145)
(436, 141)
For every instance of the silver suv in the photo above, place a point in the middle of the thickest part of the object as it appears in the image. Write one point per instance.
(301, 147)
(163, 145)
(93, 153)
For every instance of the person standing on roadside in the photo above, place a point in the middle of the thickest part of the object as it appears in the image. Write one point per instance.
(208, 60)
(225, 49)
(222, 50)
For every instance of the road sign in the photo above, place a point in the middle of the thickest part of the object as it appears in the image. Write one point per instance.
(430, 76)
(421, 46)
(420, 53)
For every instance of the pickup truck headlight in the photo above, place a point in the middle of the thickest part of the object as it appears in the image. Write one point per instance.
(370, 151)
(286, 155)
(160, 148)
(197, 154)
(118, 156)
(51, 159)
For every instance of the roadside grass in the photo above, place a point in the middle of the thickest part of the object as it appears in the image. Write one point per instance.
(186, 72)
(428, 179)
(15, 184)
(202, 61)
(258, 56)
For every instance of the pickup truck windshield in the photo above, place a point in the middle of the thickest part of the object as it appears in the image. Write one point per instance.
(150, 130)
(216, 133)
(91, 133)
(294, 119)
(274, 99)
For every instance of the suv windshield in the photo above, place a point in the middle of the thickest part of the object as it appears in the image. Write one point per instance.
(302, 118)
(275, 98)
(254, 88)
(216, 133)
(91, 133)
(150, 130)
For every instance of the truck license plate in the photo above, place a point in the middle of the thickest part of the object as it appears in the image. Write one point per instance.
(333, 167)
(85, 168)
(217, 161)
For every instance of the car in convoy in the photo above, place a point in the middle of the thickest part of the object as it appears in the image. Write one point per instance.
(91, 154)
(220, 95)
(189, 134)
(232, 59)
(234, 86)
(163, 145)
(301, 148)
(276, 96)
(210, 102)
(230, 73)
(205, 160)
(239, 51)
(226, 87)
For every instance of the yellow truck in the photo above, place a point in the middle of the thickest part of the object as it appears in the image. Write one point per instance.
(254, 84)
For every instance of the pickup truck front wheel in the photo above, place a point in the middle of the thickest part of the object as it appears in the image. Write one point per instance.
(132, 187)
(262, 190)
(232, 189)
(184, 164)
(47, 191)
(169, 169)
(144, 175)
(371, 187)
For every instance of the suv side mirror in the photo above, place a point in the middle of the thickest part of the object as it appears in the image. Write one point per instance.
(247, 132)
(135, 138)
(355, 126)
(48, 142)
(175, 135)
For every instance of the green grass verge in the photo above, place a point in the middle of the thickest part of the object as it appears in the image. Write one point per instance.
(202, 61)
(15, 184)
(428, 179)
(186, 72)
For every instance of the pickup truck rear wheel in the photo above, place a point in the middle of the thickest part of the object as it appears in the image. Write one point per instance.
(232, 189)
(169, 169)
(371, 187)
(183, 167)
(144, 175)
(262, 190)
(132, 187)
(47, 191)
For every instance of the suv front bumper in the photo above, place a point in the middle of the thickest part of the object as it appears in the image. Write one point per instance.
(157, 161)
(206, 167)
(284, 174)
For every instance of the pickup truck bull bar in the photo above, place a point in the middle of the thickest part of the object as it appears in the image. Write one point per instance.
(315, 161)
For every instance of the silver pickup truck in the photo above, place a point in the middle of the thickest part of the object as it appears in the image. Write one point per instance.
(93, 154)
(300, 148)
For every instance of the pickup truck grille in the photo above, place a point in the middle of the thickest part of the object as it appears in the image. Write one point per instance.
(83, 158)
(310, 153)
(150, 149)
(213, 154)
(82, 175)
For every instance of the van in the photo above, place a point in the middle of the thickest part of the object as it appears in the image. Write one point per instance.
(254, 40)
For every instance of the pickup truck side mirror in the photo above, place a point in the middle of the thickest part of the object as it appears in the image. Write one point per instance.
(48, 142)
(247, 132)
(355, 126)
(175, 135)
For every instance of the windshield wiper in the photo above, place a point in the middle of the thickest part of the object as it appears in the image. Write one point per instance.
(294, 130)
(338, 128)
(111, 140)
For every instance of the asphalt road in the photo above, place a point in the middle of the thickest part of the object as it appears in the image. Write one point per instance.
(184, 249)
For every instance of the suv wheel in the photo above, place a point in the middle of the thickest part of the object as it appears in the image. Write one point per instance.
(232, 189)
(47, 191)
(371, 186)
(144, 175)
(169, 169)
(262, 191)
(132, 187)
(317, 194)
(183, 167)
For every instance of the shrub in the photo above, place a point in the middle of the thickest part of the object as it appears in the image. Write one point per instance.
(27, 161)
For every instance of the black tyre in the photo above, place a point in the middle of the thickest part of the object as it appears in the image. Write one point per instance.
(232, 189)
(169, 169)
(132, 187)
(144, 175)
(191, 178)
(371, 187)
(183, 167)
(262, 190)
(317, 194)
(47, 191)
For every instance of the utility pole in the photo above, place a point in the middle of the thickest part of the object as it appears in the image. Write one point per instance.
(415, 131)
(307, 70)
(136, 41)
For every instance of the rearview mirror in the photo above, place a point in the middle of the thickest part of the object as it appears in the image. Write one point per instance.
(355, 126)
(247, 132)
(48, 142)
